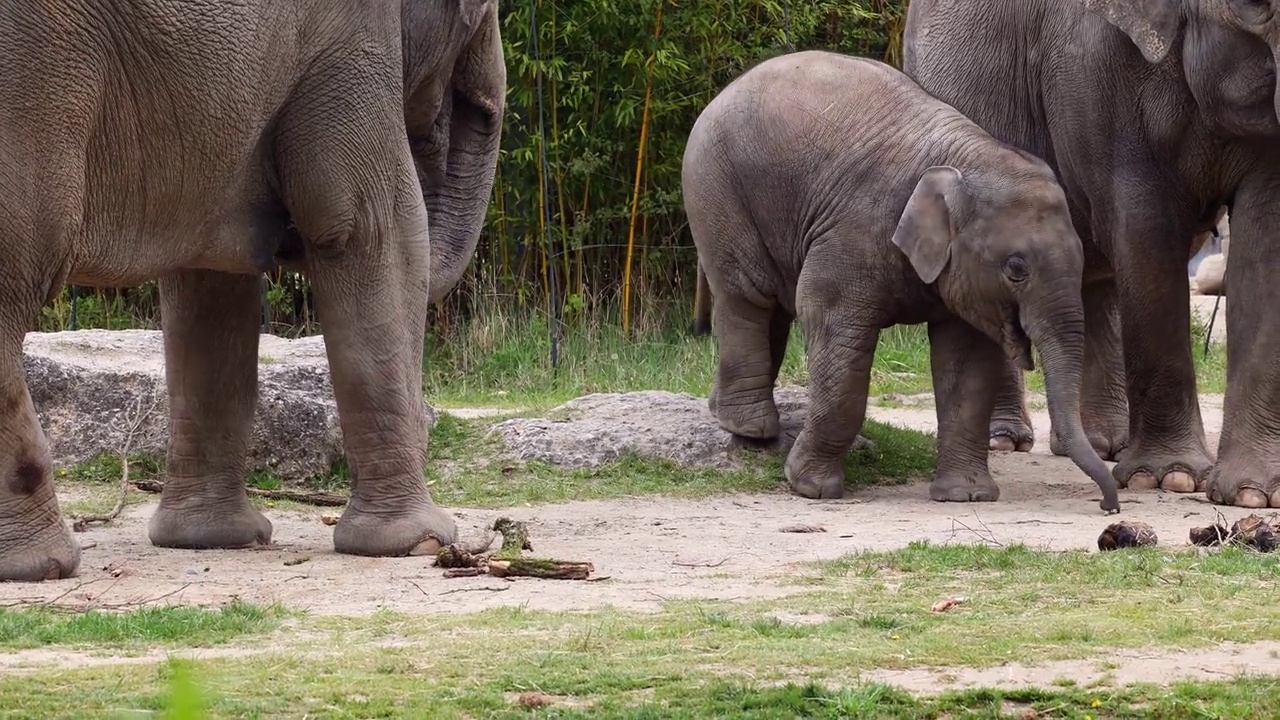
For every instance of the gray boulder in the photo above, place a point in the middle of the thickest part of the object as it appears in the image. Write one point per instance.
(89, 385)
(596, 429)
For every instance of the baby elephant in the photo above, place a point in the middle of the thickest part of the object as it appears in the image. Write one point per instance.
(835, 189)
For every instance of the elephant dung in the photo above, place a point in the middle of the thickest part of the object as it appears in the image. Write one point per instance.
(1126, 533)
(85, 385)
(1250, 531)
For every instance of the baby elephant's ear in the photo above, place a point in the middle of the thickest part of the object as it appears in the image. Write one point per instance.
(925, 229)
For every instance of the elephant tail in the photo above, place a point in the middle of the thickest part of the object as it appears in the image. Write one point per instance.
(701, 306)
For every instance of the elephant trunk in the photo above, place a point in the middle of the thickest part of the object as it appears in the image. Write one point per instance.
(1059, 335)
(470, 121)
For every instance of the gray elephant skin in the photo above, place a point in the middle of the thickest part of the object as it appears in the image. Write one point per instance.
(201, 144)
(834, 190)
(1154, 114)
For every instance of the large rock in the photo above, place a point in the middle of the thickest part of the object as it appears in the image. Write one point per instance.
(88, 384)
(596, 429)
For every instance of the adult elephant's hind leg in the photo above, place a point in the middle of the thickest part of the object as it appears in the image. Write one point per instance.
(371, 298)
(210, 323)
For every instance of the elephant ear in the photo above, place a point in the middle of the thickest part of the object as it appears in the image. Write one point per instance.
(1152, 25)
(927, 225)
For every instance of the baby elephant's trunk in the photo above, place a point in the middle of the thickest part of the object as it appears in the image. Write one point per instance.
(1059, 335)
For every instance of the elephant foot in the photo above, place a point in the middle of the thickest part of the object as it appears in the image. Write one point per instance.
(212, 524)
(1177, 472)
(812, 478)
(417, 527)
(1108, 436)
(964, 488)
(757, 420)
(53, 557)
(1011, 435)
(1244, 483)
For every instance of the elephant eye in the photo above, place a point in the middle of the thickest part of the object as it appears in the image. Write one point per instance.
(1015, 268)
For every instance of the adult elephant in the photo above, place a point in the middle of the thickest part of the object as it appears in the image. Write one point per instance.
(205, 142)
(1154, 114)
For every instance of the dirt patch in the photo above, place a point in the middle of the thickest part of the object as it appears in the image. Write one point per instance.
(1122, 667)
(648, 549)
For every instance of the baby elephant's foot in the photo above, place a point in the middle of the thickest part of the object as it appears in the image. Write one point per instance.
(1011, 436)
(812, 477)
(964, 488)
(757, 420)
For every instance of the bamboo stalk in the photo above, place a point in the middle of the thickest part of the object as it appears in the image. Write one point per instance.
(635, 193)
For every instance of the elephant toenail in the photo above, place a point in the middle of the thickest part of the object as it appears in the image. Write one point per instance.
(1000, 443)
(1143, 480)
(1178, 482)
(1275, 499)
(1251, 498)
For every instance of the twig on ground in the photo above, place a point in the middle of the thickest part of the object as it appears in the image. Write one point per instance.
(137, 417)
(507, 561)
(990, 537)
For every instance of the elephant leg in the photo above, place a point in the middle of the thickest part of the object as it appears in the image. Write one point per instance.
(210, 324)
(35, 543)
(1166, 433)
(1010, 428)
(968, 368)
(742, 397)
(1247, 473)
(1104, 407)
(371, 299)
(840, 352)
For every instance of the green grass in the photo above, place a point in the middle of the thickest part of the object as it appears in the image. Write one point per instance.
(724, 659)
(504, 362)
(166, 625)
(467, 468)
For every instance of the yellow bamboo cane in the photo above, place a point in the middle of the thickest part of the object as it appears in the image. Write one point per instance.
(635, 192)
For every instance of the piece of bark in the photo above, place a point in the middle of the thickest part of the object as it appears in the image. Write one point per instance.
(463, 572)
(541, 568)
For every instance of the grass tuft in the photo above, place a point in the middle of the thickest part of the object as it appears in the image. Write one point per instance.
(176, 624)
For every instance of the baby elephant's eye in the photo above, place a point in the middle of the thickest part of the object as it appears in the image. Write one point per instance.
(1015, 268)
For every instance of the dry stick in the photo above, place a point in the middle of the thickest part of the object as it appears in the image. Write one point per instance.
(135, 424)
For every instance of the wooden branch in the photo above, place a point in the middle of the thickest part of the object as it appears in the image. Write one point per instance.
(137, 417)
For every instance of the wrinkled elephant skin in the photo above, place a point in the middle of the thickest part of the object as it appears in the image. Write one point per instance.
(202, 144)
(833, 189)
(1154, 114)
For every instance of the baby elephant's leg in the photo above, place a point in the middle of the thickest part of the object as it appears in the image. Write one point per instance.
(742, 397)
(841, 346)
(967, 371)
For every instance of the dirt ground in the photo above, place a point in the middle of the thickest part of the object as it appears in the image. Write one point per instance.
(646, 550)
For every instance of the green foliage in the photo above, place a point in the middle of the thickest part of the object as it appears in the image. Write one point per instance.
(594, 62)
